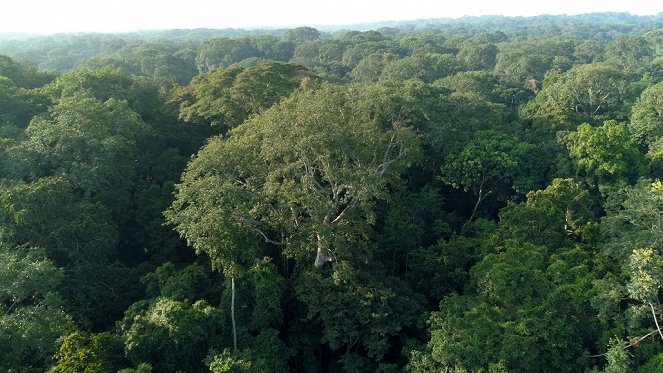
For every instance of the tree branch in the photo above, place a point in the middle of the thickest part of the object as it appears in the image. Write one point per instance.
(255, 223)
(268, 240)
(656, 320)
(482, 196)
(316, 187)
(9, 310)
(340, 215)
(386, 162)
(631, 343)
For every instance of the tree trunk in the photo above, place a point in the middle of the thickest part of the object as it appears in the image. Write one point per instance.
(324, 254)
(476, 208)
(476, 205)
(481, 196)
(232, 312)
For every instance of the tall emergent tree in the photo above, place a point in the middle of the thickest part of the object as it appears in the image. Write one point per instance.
(304, 176)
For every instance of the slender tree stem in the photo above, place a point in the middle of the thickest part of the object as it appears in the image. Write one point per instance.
(482, 196)
(653, 313)
(232, 311)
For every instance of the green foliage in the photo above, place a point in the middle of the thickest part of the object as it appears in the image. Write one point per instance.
(618, 358)
(419, 214)
(512, 277)
(460, 320)
(441, 269)
(646, 124)
(31, 314)
(549, 110)
(27, 277)
(190, 283)
(70, 231)
(226, 97)
(223, 52)
(18, 105)
(629, 52)
(634, 222)
(595, 91)
(268, 288)
(141, 368)
(361, 49)
(478, 56)
(28, 335)
(78, 236)
(108, 83)
(588, 92)
(655, 158)
(273, 48)
(462, 115)
(303, 170)
(479, 84)
(268, 354)
(512, 322)
(420, 43)
(170, 335)
(589, 51)
(93, 144)
(646, 270)
(371, 181)
(427, 67)
(655, 364)
(325, 55)
(360, 311)
(164, 62)
(493, 163)
(606, 153)
(369, 69)
(609, 294)
(554, 217)
(23, 74)
(518, 67)
(227, 363)
(301, 34)
(102, 353)
(628, 298)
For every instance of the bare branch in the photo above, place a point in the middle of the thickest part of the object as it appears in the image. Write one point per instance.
(318, 189)
(247, 220)
(340, 215)
(656, 320)
(255, 223)
(267, 239)
(295, 218)
(386, 161)
(632, 342)
(10, 308)
(316, 186)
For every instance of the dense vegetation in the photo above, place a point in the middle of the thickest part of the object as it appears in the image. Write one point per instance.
(480, 195)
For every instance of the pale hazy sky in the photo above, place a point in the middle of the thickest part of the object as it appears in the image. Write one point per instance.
(47, 16)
